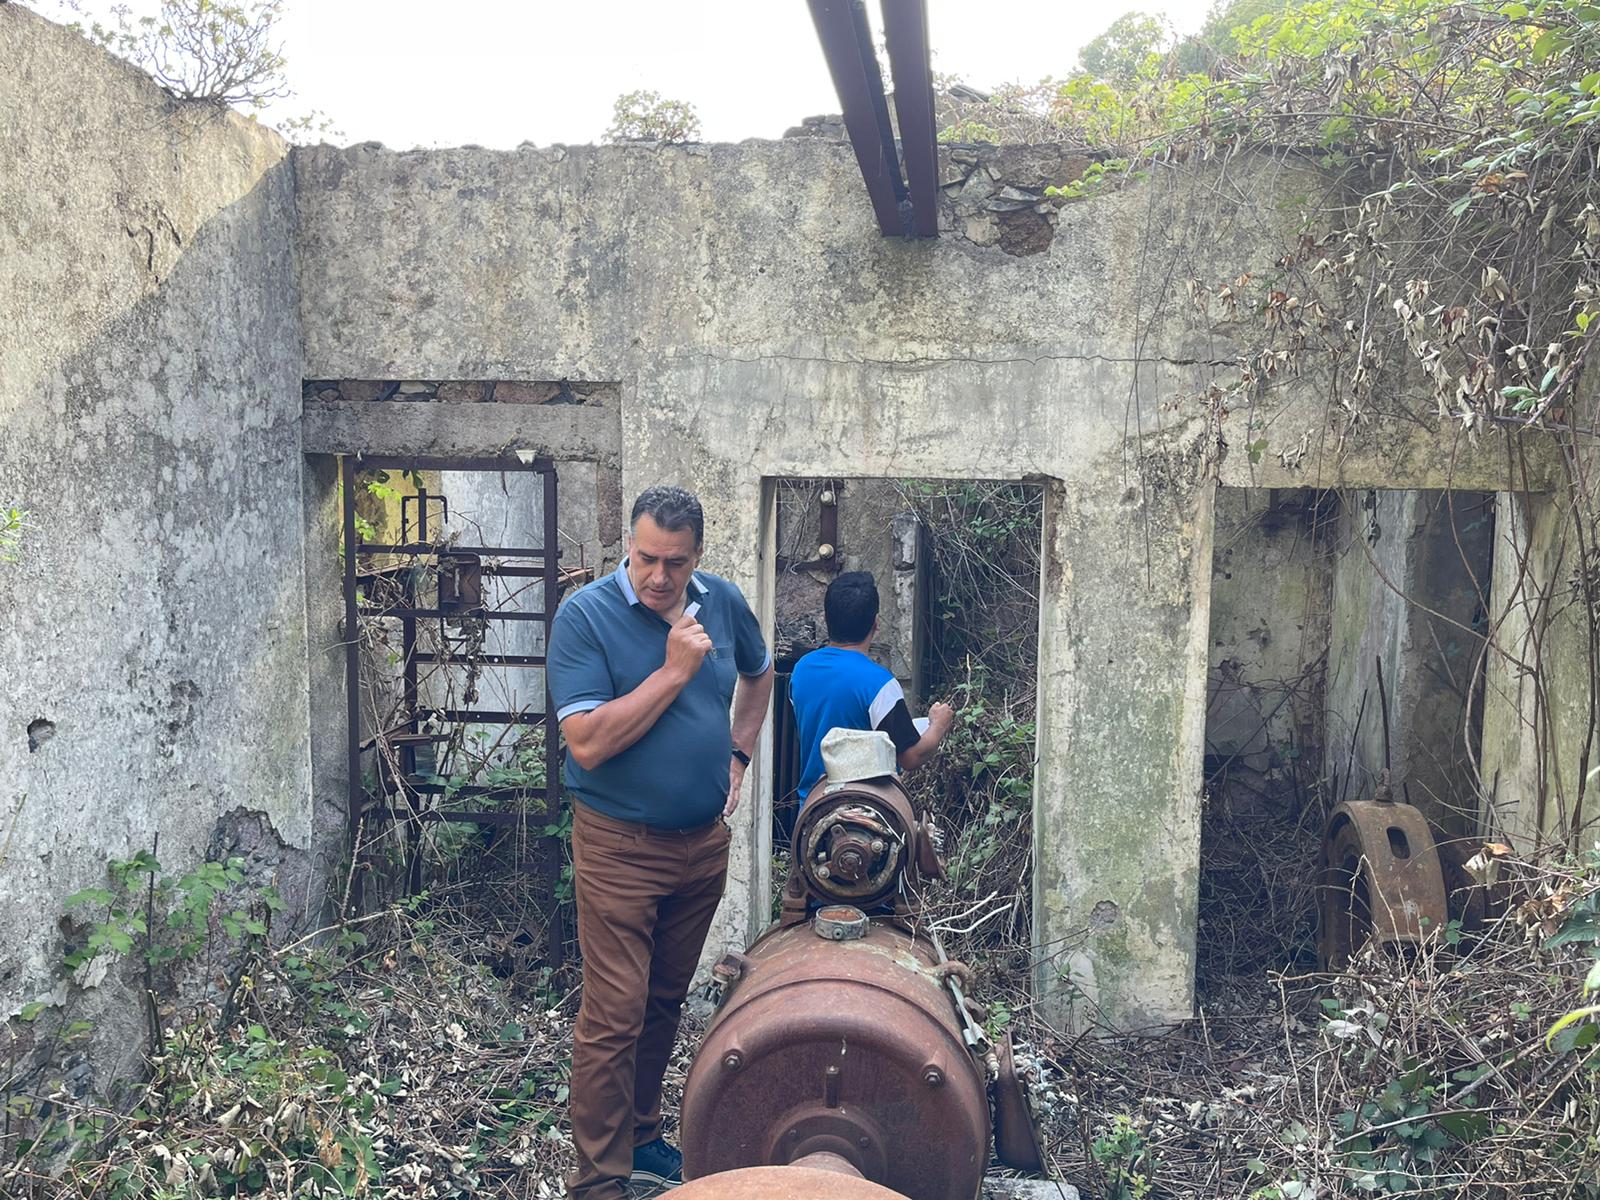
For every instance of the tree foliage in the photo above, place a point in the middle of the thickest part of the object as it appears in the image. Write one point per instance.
(1130, 48)
(1463, 235)
(203, 50)
(645, 116)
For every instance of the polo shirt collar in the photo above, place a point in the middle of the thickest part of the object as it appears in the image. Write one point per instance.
(696, 584)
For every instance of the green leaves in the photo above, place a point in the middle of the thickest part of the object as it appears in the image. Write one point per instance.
(1125, 1160)
(1567, 1035)
(187, 908)
(12, 522)
(88, 896)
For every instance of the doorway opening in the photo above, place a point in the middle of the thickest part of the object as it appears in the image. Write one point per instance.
(956, 564)
(1346, 648)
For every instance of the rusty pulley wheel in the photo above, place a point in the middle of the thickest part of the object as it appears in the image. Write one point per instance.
(1381, 880)
(782, 1183)
(855, 841)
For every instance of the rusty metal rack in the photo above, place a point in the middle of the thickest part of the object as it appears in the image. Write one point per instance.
(424, 579)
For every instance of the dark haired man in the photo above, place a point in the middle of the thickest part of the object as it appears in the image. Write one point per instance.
(839, 687)
(643, 666)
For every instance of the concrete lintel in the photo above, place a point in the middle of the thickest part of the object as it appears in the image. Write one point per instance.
(563, 432)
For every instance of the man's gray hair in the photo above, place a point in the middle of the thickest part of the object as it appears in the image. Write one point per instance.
(672, 508)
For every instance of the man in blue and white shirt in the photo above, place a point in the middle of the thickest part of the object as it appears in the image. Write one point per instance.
(840, 687)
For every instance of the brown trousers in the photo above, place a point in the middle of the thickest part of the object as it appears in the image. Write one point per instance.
(645, 901)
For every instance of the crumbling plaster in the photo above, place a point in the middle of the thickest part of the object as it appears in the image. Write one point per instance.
(154, 618)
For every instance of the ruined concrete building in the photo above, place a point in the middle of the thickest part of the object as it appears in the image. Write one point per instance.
(200, 320)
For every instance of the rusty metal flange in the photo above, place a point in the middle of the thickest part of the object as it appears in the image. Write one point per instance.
(1381, 880)
(854, 842)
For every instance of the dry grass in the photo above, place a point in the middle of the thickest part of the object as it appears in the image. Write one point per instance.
(415, 1055)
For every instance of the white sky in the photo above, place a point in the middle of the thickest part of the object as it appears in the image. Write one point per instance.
(499, 72)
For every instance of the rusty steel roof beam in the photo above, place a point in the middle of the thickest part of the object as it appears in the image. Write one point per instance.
(905, 27)
(847, 45)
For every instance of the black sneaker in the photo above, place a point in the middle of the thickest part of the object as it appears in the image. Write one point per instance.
(657, 1164)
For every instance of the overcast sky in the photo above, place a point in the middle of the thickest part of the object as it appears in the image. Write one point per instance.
(500, 72)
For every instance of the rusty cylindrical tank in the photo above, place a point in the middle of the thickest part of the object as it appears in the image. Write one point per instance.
(782, 1183)
(844, 1047)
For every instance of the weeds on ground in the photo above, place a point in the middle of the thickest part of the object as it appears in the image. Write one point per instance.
(395, 1055)
(1466, 1069)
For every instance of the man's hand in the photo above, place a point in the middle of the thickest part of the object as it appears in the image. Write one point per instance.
(940, 718)
(736, 770)
(687, 647)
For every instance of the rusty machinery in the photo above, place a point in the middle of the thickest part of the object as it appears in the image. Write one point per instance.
(1382, 879)
(845, 1053)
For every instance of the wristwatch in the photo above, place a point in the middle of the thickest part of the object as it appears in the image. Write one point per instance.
(741, 756)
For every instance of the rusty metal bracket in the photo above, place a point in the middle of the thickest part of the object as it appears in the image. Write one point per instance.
(1016, 1137)
(827, 557)
(1381, 880)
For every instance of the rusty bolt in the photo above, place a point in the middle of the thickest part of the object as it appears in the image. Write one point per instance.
(877, 845)
(823, 873)
(933, 1077)
(733, 1060)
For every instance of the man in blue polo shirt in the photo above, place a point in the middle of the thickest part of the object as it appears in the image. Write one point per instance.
(839, 687)
(643, 667)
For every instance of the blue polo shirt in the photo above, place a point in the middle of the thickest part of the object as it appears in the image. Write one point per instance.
(604, 643)
(833, 688)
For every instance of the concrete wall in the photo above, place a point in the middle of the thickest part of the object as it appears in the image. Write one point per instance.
(1271, 584)
(171, 606)
(1411, 588)
(762, 329)
(154, 632)
(1540, 744)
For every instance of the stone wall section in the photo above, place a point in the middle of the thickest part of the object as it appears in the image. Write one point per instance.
(154, 643)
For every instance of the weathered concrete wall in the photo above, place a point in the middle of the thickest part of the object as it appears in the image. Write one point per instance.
(762, 329)
(1411, 587)
(1539, 738)
(1270, 585)
(758, 327)
(155, 620)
